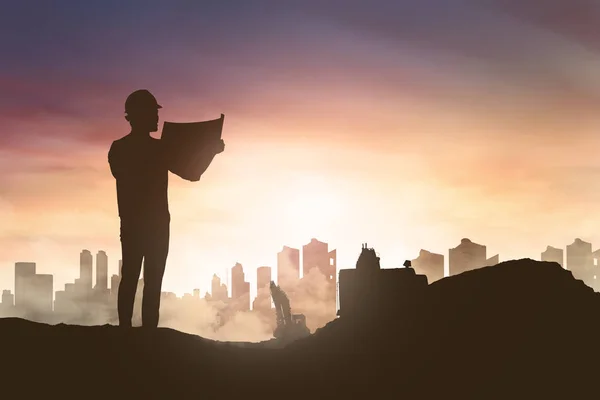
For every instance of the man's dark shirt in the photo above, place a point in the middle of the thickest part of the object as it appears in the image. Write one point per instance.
(139, 165)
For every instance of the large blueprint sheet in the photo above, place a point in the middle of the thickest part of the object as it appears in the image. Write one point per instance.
(184, 142)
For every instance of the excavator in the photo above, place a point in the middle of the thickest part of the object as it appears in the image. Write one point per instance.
(289, 326)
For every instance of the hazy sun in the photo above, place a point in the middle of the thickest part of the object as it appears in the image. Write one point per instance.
(310, 206)
(311, 209)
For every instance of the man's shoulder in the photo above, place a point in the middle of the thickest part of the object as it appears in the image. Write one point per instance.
(121, 142)
(117, 146)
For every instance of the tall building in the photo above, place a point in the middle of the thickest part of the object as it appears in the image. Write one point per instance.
(24, 273)
(596, 270)
(215, 286)
(316, 255)
(263, 278)
(429, 264)
(237, 280)
(262, 302)
(240, 289)
(101, 270)
(196, 293)
(43, 287)
(8, 298)
(288, 267)
(67, 303)
(596, 257)
(70, 288)
(580, 261)
(61, 302)
(218, 290)
(120, 267)
(86, 261)
(467, 256)
(7, 307)
(332, 268)
(115, 280)
(552, 254)
(8, 301)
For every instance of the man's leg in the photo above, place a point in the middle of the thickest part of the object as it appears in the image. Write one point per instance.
(154, 270)
(130, 274)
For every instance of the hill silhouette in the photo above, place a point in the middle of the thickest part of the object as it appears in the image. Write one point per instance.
(520, 329)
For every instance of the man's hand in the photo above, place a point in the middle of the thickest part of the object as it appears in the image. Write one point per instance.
(221, 146)
(217, 147)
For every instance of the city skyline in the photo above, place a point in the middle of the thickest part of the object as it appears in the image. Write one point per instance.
(225, 307)
(229, 312)
(89, 268)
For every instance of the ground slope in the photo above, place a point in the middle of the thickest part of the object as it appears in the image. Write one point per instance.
(520, 329)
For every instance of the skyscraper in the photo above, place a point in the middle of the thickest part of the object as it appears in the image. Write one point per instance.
(218, 290)
(43, 288)
(467, 256)
(7, 307)
(552, 254)
(263, 278)
(429, 264)
(24, 273)
(288, 267)
(237, 280)
(317, 257)
(115, 281)
(262, 302)
(8, 298)
(240, 289)
(86, 261)
(580, 261)
(101, 270)
(215, 286)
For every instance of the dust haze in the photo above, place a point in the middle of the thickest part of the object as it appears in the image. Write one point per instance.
(194, 314)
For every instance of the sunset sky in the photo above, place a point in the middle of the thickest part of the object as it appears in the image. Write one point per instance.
(403, 124)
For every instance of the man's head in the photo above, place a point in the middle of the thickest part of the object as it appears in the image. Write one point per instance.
(141, 108)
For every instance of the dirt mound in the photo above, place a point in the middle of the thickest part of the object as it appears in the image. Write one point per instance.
(518, 329)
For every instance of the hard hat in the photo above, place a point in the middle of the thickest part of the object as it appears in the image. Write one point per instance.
(141, 100)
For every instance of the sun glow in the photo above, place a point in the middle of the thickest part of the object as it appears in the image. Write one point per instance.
(309, 206)
(310, 210)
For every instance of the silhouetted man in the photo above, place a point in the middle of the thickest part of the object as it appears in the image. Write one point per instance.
(140, 166)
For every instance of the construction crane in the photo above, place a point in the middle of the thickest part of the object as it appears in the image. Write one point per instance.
(289, 326)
